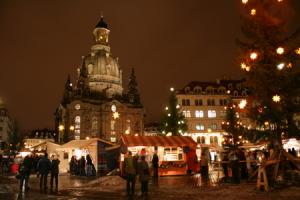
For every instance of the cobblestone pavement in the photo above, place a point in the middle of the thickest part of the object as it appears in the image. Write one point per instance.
(176, 187)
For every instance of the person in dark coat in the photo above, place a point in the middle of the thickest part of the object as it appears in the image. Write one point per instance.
(144, 173)
(24, 171)
(90, 168)
(82, 166)
(43, 167)
(234, 161)
(155, 161)
(73, 165)
(54, 172)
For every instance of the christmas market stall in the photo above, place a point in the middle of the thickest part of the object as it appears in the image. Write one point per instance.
(176, 153)
(94, 147)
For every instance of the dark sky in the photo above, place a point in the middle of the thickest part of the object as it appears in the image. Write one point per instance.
(168, 42)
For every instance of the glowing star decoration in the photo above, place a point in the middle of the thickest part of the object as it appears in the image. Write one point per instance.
(280, 66)
(253, 12)
(253, 55)
(243, 65)
(116, 115)
(280, 50)
(298, 51)
(276, 98)
(244, 1)
(242, 104)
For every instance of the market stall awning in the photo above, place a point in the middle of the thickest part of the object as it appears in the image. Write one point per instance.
(171, 141)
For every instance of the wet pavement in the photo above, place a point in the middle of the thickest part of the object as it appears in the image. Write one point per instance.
(173, 187)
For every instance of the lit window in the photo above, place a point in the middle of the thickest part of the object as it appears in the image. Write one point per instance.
(199, 113)
(200, 127)
(211, 114)
(77, 128)
(186, 113)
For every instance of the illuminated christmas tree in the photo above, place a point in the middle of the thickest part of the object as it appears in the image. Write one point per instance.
(173, 122)
(269, 56)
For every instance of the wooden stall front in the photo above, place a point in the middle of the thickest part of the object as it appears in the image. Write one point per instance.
(173, 151)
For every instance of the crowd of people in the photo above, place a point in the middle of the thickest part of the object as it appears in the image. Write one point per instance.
(137, 166)
(82, 167)
(42, 166)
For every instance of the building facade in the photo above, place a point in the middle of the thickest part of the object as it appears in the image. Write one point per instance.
(204, 106)
(5, 124)
(39, 136)
(97, 105)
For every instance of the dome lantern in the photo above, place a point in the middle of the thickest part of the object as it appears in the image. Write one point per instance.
(101, 32)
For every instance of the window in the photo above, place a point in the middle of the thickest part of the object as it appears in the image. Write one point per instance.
(186, 113)
(200, 102)
(211, 114)
(211, 139)
(208, 102)
(173, 154)
(185, 102)
(214, 126)
(77, 127)
(66, 155)
(200, 127)
(196, 102)
(202, 139)
(199, 113)
(212, 102)
(235, 93)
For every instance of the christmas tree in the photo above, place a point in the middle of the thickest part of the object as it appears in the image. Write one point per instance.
(268, 56)
(173, 122)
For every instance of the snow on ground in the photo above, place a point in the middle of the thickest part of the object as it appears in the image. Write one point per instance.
(105, 183)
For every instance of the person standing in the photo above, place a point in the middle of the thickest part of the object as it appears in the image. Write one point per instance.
(54, 172)
(155, 161)
(24, 171)
(82, 166)
(225, 166)
(144, 173)
(43, 167)
(234, 160)
(204, 167)
(89, 166)
(130, 173)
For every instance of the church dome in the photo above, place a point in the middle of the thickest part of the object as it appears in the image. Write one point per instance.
(104, 72)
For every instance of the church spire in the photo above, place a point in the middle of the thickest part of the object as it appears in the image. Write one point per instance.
(68, 92)
(133, 93)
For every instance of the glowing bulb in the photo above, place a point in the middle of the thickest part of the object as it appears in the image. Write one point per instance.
(253, 55)
(253, 12)
(243, 65)
(247, 68)
(72, 128)
(177, 106)
(61, 127)
(298, 51)
(167, 108)
(242, 104)
(244, 1)
(280, 50)
(169, 115)
(290, 65)
(276, 98)
(280, 0)
(280, 66)
(172, 89)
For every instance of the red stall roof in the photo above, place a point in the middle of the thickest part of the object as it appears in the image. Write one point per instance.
(170, 141)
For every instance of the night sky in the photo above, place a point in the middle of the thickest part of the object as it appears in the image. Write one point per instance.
(168, 42)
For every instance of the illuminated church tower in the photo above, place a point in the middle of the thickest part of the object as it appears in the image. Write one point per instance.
(97, 105)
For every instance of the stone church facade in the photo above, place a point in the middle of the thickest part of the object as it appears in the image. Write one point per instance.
(97, 106)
